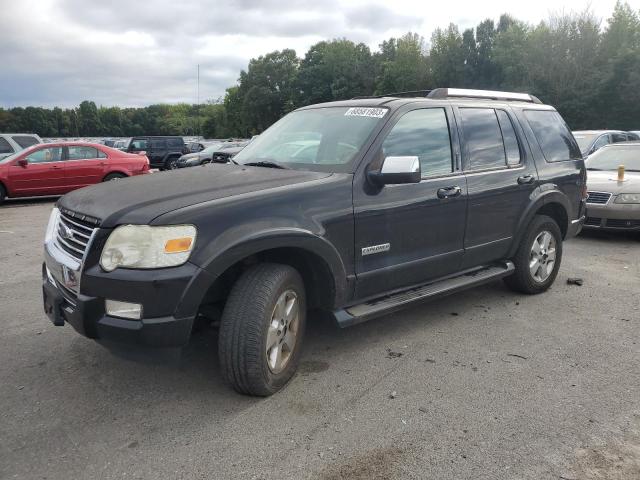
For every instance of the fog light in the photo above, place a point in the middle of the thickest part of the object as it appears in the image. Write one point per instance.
(116, 308)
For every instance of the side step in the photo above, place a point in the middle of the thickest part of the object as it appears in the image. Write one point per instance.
(390, 303)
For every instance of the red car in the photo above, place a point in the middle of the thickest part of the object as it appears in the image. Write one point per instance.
(58, 168)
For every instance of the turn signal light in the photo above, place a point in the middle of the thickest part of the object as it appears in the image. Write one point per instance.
(178, 245)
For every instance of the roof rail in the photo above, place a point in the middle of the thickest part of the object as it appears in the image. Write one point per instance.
(409, 93)
(487, 94)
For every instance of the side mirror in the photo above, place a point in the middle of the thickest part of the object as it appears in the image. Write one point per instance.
(397, 170)
(23, 162)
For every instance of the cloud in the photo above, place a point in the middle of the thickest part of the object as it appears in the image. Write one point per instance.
(132, 53)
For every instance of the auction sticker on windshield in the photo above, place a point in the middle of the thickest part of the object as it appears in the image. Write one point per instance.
(366, 112)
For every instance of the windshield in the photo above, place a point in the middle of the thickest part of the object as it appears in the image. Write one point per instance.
(609, 158)
(211, 148)
(584, 140)
(320, 139)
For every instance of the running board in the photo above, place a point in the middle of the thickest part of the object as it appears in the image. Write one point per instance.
(390, 303)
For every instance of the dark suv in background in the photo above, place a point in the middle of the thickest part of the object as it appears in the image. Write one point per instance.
(357, 208)
(162, 152)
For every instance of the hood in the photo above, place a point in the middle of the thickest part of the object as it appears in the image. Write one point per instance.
(607, 181)
(139, 200)
(189, 156)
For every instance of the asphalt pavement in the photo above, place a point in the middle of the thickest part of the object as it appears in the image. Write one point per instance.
(486, 384)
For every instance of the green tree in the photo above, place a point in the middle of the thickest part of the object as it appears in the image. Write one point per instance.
(88, 120)
(402, 65)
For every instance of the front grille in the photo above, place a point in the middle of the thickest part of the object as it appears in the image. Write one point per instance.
(73, 234)
(593, 221)
(615, 223)
(600, 198)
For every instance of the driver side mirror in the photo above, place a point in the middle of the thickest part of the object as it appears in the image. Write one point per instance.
(23, 162)
(397, 170)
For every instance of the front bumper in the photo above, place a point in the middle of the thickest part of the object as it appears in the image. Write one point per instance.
(575, 226)
(613, 216)
(82, 305)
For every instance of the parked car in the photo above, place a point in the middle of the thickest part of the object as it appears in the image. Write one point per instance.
(163, 152)
(591, 140)
(405, 200)
(11, 143)
(222, 151)
(121, 144)
(198, 146)
(58, 168)
(613, 204)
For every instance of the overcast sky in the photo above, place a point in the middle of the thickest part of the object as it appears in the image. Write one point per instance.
(134, 53)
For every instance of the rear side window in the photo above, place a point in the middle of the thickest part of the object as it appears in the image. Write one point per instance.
(483, 138)
(553, 135)
(5, 147)
(82, 153)
(511, 146)
(25, 140)
(618, 137)
(424, 134)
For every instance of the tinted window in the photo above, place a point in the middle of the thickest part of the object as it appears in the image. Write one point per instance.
(424, 134)
(81, 153)
(633, 137)
(158, 143)
(483, 138)
(25, 140)
(511, 147)
(45, 155)
(177, 142)
(5, 147)
(138, 144)
(553, 135)
(618, 137)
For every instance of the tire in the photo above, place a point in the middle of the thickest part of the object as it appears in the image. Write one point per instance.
(114, 176)
(3, 194)
(527, 278)
(171, 164)
(247, 362)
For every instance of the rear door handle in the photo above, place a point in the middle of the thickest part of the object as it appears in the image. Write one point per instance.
(448, 192)
(525, 179)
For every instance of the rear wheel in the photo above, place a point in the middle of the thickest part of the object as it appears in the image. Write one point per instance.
(262, 328)
(113, 176)
(171, 164)
(538, 258)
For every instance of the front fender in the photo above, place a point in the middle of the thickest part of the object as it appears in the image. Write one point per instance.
(252, 244)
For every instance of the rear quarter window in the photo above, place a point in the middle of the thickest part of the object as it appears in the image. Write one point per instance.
(553, 135)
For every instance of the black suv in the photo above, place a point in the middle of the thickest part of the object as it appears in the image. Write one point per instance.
(357, 208)
(163, 152)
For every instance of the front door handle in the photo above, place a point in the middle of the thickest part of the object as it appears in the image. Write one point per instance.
(525, 179)
(448, 192)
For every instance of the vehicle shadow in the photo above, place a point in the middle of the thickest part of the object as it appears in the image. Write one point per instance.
(609, 235)
(27, 201)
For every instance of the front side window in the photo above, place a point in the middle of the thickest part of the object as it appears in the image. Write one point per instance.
(25, 140)
(5, 147)
(179, 143)
(424, 134)
(138, 144)
(553, 135)
(82, 153)
(483, 138)
(319, 139)
(45, 155)
(158, 144)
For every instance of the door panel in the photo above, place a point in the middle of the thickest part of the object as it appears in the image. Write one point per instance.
(501, 177)
(83, 166)
(43, 175)
(416, 235)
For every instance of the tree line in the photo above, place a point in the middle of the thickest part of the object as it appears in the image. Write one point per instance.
(589, 72)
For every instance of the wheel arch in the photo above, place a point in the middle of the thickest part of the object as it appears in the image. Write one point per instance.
(119, 172)
(551, 203)
(316, 260)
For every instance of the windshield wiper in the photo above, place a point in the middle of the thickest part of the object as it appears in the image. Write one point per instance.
(265, 163)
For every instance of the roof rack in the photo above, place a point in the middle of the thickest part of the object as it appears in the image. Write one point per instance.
(486, 94)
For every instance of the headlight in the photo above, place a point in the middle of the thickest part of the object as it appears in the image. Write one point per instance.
(628, 198)
(51, 226)
(144, 246)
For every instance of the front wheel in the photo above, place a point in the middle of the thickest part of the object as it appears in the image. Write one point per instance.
(262, 328)
(113, 176)
(538, 257)
(172, 164)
